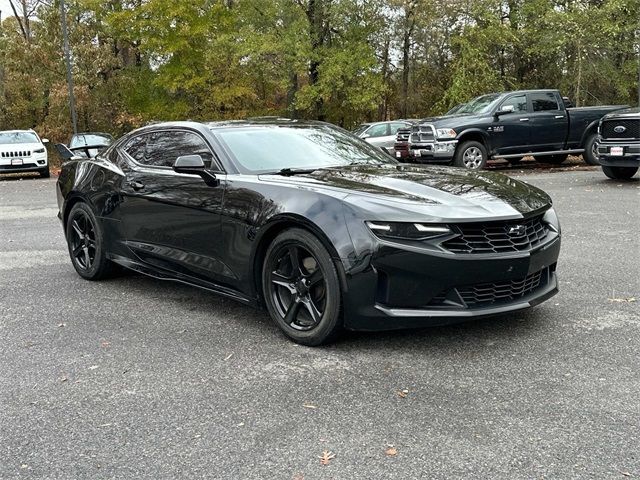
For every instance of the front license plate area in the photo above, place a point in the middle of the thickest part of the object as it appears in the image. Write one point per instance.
(16, 161)
(617, 151)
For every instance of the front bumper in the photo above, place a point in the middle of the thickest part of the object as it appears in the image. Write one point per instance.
(630, 154)
(407, 289)
(436, 151)
(32, 164)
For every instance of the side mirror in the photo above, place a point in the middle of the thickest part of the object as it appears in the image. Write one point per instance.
(193, 164)
(505, 109)
(45, 140)
(64, 151)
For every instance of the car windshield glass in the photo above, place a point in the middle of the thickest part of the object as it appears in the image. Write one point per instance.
(92, 139)
(261, 149)
(360, 129)
(479, 105)
(14, 138)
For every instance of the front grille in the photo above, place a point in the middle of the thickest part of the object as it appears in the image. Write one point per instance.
(422, 133)
(631, 129)
(490, 293)
(16, 154)
(402, 135)
(498, 237)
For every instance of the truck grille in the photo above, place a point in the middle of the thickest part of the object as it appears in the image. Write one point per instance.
(422, 133)
(632, 129)
(489, 294)
(16, 154)
(402, 135)
(498, 237)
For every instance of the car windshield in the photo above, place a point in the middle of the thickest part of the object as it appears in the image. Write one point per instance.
(361, 129)
(480, 104)
(91, 139)
(15, 138)
(262, 149)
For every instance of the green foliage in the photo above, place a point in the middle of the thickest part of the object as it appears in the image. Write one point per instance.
(345, 61)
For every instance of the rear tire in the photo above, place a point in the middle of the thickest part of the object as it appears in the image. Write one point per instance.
(44, 172)
(471, 155)
(590, 154)
(619, 173)
(85, 241)
(301, 288)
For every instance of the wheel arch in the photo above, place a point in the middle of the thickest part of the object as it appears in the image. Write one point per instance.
(591, 129)
(476, 135)
(276, 226)
(72, 199)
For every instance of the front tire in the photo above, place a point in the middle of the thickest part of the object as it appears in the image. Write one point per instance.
(590, 154)
(44, 172)
(471, 155)
(85, 240)
(301, 288)
(619, 173)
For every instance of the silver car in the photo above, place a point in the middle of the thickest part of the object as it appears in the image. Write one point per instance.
(381, 134)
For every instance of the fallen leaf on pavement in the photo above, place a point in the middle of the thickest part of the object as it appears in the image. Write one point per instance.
(623, 300)
(326, 457)
(403, 393)
(391, 451)
(308, 405)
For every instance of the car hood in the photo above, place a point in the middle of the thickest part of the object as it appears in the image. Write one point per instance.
(412, 192)
(454, 121)
(19, 147)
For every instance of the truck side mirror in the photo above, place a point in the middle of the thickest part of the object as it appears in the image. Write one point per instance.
(505, 109)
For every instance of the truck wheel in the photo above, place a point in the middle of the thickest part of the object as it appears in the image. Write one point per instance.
(619, 173)
(552, 159)
(471, 155)
(590, 154)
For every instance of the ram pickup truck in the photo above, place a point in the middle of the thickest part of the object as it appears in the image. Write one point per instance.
(618, 143)
(509, 125)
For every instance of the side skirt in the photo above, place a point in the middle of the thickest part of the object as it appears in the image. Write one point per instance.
(178, 278)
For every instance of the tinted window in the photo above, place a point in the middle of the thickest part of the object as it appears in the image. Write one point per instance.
(164, 147)
(480, 104)
(270, 149)
(378, 130)
(519, 103)
(544, 101)
(136, 147)
(91, 139)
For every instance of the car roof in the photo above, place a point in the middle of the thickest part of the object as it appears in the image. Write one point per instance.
(18, 131)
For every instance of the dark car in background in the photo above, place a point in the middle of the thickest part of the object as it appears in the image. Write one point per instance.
(619, 143)
(509, 125)
(322, 228)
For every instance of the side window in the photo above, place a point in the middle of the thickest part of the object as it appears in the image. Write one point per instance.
(164, 147)
(544, 101)
(379, 130)
(397, 126)
(519, 103)
(136, 147)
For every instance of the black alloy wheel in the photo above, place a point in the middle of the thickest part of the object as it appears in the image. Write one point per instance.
(85, 242)
(301, 287)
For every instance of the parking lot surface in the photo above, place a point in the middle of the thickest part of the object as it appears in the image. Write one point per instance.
(135, 377)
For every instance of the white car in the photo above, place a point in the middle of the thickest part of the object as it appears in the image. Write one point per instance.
(23, 151)
(381, 134)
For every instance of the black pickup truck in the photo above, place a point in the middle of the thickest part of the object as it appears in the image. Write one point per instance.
(618, 143)
(509, 125)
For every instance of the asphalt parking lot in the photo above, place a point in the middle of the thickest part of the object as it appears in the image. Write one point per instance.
(135, 377)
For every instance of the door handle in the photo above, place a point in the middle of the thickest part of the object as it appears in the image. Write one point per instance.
(524, 119)
(559, 116)
(136, 185)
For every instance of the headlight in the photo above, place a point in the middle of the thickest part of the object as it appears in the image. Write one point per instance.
(39, 150)
(407, 231)
(446, 133)
(551, 219)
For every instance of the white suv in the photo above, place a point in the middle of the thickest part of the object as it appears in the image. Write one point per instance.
(23, 151)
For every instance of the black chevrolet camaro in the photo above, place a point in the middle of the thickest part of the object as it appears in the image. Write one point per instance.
(304, 218)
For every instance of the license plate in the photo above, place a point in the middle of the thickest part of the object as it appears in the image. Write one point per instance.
(16, 161)
(617, 151)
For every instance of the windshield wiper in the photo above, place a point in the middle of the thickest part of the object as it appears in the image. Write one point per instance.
(289, 172)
